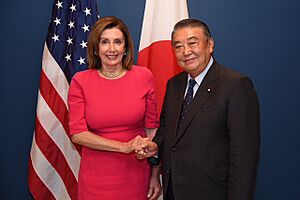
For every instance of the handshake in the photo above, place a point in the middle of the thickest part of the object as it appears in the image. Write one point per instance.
(143, 147)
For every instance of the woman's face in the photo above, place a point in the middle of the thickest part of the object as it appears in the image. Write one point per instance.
(111, 48)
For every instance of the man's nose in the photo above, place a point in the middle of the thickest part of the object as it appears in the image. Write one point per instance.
(186, 49)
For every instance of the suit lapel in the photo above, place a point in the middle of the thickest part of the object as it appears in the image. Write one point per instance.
(204, 92)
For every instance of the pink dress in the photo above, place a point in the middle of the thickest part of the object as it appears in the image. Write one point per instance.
(116, 109)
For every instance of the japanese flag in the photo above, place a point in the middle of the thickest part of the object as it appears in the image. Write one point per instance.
(155, 50)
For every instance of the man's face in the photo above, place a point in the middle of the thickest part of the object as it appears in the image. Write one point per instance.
(193, 49)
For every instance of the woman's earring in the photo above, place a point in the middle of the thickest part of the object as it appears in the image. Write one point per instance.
(96, 53)
(125, 53)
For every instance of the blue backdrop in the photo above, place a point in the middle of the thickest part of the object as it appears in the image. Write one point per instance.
(258, 38)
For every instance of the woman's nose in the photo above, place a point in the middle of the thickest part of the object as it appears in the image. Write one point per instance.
(112, 47)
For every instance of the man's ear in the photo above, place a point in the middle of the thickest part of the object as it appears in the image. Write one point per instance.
(211, 44)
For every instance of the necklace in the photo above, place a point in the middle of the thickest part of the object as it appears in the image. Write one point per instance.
(112, 74)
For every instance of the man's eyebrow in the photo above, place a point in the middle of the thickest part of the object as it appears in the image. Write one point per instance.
(193, 38)
(190, 38)
(177, 42)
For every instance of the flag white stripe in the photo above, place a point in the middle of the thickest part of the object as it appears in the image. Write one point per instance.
(57, 133)
(55, 75)
(159, 19)
(47, 173)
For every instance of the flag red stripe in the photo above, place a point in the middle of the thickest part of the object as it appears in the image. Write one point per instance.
(56, 103)
(37, 188)
(160, 59)
(56, 159)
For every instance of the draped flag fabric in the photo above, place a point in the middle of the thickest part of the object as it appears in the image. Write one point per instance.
(54, 160)
(155, 51)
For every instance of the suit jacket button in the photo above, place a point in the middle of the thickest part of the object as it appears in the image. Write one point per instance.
(173, 149)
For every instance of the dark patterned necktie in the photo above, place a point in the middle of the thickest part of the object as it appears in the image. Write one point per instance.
(187, 101)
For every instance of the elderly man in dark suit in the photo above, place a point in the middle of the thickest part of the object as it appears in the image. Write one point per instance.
(209, 136)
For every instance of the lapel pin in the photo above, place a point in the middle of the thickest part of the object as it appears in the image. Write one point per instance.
(208, 90)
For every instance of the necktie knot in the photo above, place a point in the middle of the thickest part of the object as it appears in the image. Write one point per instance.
(192, 83)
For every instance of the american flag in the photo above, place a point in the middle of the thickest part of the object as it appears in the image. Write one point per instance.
(54, 160)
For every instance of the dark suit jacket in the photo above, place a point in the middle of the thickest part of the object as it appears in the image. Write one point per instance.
(214, 154)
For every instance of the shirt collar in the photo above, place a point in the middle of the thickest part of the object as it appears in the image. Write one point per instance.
(201, 76)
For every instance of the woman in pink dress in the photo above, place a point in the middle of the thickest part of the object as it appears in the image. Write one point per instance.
(112, 110)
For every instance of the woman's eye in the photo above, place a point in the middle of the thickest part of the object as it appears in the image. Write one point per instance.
(103, 41)
(118, 41)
